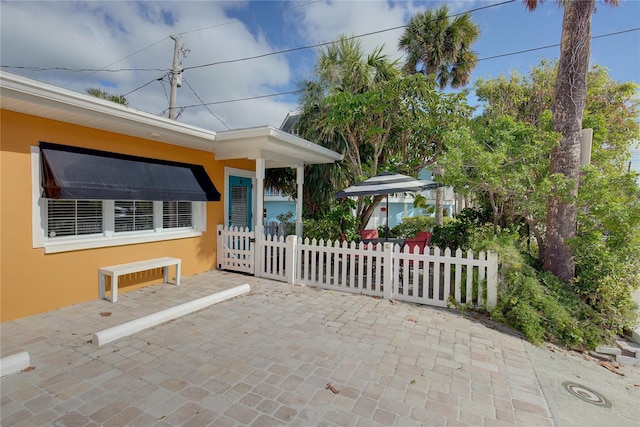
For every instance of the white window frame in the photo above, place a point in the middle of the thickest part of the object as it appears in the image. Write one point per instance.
(108, 238)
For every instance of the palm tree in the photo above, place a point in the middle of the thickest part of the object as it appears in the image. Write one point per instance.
(99, 93)
(439, 47)
(568, 110)
(342, 71)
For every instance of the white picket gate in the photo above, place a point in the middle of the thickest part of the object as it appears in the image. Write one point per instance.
(236, 250)
(434, 278)
(272, 257)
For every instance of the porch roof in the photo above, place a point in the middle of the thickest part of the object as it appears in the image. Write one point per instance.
(278, 148)
(36, 98)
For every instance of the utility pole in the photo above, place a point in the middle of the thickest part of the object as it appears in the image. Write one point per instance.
(175, 76)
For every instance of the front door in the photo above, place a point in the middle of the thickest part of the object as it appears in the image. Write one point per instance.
(240, 202)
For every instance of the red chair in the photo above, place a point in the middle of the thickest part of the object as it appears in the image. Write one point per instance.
(409, 246)
(369, 234)
(425, 235)
(415, 242)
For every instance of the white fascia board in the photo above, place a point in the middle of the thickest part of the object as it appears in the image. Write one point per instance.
(25, 95)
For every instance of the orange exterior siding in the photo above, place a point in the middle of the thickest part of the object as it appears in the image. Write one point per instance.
(33, 282)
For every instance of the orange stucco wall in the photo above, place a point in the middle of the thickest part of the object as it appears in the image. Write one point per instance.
(33, 282)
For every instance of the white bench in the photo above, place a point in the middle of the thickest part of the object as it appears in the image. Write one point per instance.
(134, 267)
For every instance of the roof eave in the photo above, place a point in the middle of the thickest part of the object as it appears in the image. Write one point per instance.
(28, 96)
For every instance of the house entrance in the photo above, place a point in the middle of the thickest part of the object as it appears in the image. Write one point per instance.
(240, 202)
(236, 246)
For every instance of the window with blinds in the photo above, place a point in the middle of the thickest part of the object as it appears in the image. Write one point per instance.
(239, 206)
(177, 214)
(133, 215)
(85, 217)
(74, 218)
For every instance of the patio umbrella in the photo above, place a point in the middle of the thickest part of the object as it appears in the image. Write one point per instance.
(387, 183)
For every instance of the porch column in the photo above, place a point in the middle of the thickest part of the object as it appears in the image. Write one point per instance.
(299, 199)
(259, 221)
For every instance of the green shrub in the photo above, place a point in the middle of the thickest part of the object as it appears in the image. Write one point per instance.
(606, 277)
(410, 226)
(325, 229)
(541, 306)
(457, 233)
(339, 220)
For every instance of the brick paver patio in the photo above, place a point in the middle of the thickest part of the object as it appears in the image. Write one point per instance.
(281, 354)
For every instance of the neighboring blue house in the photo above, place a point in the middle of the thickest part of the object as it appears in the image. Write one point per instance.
(400, 206)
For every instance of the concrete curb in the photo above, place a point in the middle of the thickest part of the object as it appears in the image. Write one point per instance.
(14, 363)
(111, 334)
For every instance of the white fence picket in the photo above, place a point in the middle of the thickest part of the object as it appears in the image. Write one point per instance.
(431, 278)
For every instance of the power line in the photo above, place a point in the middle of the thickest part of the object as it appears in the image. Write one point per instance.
(480, 59)
(241, 99)
(554, 45)
(206, 106)
(279, 52)
(146, 84)
(282, 52)
(148, 47)
(210, 26)
(82, 70)
(119, 60)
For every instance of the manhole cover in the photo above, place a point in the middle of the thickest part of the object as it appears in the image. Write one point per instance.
(586, 394)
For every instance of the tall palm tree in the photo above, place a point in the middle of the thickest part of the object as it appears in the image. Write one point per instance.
(439, 47)
(568, 110)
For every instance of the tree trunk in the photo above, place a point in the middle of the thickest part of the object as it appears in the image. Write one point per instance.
(368, 211)
(568, 110)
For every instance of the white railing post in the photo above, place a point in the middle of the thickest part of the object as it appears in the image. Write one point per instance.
(258, 250)
(387, 275)
(492, 279)
(291, 263)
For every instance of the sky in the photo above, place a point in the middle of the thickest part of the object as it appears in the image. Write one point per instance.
(125, 47)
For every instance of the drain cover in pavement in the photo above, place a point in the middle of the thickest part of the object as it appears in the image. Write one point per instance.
(586, 394)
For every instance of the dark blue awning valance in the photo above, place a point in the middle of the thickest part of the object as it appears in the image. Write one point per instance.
(82, 173)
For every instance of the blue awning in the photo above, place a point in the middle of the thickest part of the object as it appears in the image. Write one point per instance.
(82, 173)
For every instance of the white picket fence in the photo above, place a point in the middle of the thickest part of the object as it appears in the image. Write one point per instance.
(434, 278)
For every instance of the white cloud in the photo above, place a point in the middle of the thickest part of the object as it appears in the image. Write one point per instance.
(323, 22)
(93, 35)
(128, 34)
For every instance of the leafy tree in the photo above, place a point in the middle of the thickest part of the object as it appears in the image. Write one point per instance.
(440, 48)
(505, 160)
(570, 93)
(506, 156)
(99, 93)
(379, 118)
